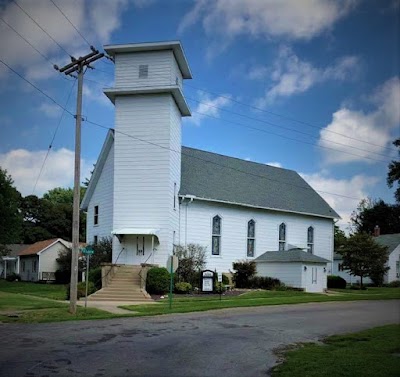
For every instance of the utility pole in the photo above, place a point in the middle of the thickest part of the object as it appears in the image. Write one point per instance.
(77, 65)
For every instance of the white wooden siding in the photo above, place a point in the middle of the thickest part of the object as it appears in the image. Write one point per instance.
(29, 274)
(162, 69)
(102, 197)
(196, 228)
(48, 258)
(288, 273)
(393, 258)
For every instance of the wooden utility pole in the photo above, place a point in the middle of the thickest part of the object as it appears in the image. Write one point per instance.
(77, 65)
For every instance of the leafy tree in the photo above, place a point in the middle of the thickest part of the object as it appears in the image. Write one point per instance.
(370, 213)
(102, 252)
(192, 259)
(394, 173)
(61, 195)
(339, 238)
(244, 273)
(4, 250)
(64, 261)
(10, 217)
(363, 257)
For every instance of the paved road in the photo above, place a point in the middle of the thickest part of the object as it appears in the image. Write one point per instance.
(236, 342)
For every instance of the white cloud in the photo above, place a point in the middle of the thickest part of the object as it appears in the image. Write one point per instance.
(96, 20)
(290, 19)
(276, 164)
(208, 106)
(378, 127)
(24, 167)
(51, 110)
(357, 187)
(291, 75)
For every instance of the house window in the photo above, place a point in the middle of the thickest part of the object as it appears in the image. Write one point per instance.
(96, 215)
(143, 71)
(34, 266)
(95, 240)
(282, 237)
(310, 239)
(23, 266)
(251, 239)
(397, 269)
(340, 267)
(216, 235)
(175, 195)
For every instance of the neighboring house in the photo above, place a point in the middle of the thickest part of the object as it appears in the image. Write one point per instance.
(9, 263)
(38, 261)
(152, 194)
(392, 241)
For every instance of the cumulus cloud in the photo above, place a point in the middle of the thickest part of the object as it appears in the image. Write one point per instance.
(96, 19)
(276, 164)
(208, 106)
(357, 187)
(290, 75)
(49, 109)
(378, 127)
(24, 167)
(300, 20)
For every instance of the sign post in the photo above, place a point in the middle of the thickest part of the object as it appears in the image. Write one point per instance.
(220, 285)
(172, 266)
(87, 251)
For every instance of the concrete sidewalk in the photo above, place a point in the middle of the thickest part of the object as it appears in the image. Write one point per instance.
(112, 306)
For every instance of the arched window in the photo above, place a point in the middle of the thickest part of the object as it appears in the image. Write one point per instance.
(216, 236)
(251, 238)
(282, 236)
(310, 239)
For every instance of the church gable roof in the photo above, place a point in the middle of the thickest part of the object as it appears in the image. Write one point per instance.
(216, 177)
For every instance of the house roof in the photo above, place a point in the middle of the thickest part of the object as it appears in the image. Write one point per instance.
(389, 240)
(16, 248)
(290, 256)
(40, 246)
(212, 176)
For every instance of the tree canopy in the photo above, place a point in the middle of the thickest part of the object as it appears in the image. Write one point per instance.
(394, 173)
(10, 217)
(363, 257)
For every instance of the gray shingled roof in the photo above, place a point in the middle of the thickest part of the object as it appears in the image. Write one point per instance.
(213, 176)
(389, 240)
(294, 255)
(15, 248)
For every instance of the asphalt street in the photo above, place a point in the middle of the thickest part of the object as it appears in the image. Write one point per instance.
(231, 342)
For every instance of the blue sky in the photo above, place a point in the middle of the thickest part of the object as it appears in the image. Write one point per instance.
(318, 79)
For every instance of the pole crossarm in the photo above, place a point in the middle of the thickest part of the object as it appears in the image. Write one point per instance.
(78, 64)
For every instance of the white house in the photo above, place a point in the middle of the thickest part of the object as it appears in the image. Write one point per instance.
(39, 260)
(151, 193)
(9, 263)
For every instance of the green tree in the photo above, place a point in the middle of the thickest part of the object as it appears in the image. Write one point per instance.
(394, 173)
(192, 259)
(370, 213)
(339, 238)
(102, 252)
(61, 195)
(363, 257)
(10, 216)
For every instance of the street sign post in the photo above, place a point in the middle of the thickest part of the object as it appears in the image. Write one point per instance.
(220, 285)
(172, 266)
(87, 251)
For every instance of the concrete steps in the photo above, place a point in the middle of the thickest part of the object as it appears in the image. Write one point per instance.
(124, 286)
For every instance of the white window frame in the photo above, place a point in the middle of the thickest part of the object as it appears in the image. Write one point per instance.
(310, 245)
(216, 235)
(251, 238)
(282, 241)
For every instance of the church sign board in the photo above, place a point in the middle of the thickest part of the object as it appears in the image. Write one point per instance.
(207, 280)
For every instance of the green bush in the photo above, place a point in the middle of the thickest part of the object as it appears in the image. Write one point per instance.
(81, 289)
(95, 277)
(394, 284)
(158, 280)
(183, 287)
(13, 277)
(62, 276)
(264, 282)
(336, 282)
(225, 279)
(244, 272)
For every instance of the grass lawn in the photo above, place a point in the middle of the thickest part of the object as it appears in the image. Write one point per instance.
(53, 291)
(372, 353)
(258, 298)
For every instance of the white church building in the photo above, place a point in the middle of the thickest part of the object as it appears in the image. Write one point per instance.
(150, 193)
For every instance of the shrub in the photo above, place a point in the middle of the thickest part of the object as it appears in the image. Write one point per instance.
(62, 276)
(95, 277)
(81, 289)
(192, 258)
(183, 287)
(244, 272)
(336, 282)
(158, 280)
(13, 277)
(394, 284)
(264, 282)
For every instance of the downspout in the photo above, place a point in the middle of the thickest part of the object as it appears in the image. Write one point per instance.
(190, 197)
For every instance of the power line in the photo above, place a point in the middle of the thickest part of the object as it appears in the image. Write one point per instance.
(77, 30)
(53, 138)
(41, 28)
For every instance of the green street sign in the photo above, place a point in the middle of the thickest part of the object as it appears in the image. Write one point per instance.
(88, 250)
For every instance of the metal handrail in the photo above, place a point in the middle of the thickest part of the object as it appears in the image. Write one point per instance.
(141, 270)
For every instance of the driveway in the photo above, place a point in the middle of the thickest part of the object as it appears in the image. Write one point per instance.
(231, 342)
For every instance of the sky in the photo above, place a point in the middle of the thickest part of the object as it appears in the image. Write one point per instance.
(308, 85)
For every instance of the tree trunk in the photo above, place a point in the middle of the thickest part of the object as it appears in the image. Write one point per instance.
(361, 283)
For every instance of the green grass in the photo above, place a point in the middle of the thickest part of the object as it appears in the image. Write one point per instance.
(374, 353)
(52, 291)
(16, 302)
(258, 298)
